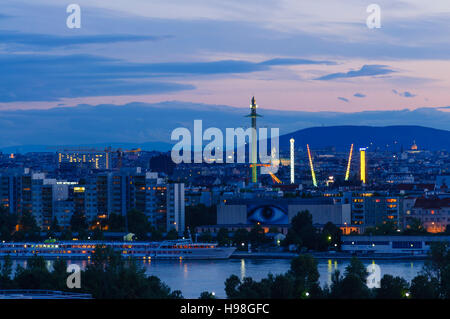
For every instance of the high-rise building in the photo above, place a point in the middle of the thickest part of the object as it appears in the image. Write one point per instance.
(98, 160)
(96, 195)
(7, 192)
(175, 207)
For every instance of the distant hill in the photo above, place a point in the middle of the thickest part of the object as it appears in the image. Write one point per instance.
(148, 146)
(339, 137)
(362, 136)
(139, 123)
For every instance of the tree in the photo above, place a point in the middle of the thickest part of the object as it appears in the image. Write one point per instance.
(172, 234)
(352, 287)
(331, 236)
(223, 237)
(116, 222)
(357, 268)
(302, 232)
(231, 285)
(54, 227)
(35, 276)
(78, 222)
(28, 229)
(437, 269)
(110, 276)
(283, 287)
(423, 287)
(156, 234)
(138, 224)
(207, 295)
(387, 228)
(392, 288)
(97, 234)
(306, 276)
(301, 281)
(8, 224)
(240, 236)
(353, 284)
(59, 275)
(414, 227)
(5, 274)
(257, 235)
(248, 288)
(66, 234)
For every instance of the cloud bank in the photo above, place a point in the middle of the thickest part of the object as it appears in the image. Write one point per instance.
(366, 70)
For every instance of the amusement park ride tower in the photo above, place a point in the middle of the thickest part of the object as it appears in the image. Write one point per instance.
(254, 156)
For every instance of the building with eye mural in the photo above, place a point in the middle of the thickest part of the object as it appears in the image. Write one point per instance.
(278, 213)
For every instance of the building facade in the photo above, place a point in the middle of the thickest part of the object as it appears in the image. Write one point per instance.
(95, 195)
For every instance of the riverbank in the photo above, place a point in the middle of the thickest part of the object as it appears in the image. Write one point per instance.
(324, 255)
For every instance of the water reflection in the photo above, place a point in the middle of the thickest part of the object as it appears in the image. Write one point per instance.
(330, 270)
(242, 269)
(406, 269)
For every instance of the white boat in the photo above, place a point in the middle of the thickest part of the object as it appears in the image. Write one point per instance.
(169, 249)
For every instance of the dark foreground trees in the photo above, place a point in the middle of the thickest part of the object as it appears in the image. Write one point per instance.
(302, 281)
(108, 276)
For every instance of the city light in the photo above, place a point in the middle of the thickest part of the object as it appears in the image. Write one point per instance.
(313, 174)
(292, 162)
(347, 172)
(362, 152)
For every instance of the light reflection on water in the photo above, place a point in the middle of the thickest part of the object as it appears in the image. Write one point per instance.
(195, 276)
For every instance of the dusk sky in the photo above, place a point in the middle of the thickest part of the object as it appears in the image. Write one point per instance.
(291, 54)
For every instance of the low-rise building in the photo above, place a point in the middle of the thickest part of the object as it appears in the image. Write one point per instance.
(411, 245)
(433, 213)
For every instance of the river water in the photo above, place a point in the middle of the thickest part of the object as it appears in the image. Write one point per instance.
(194, 276)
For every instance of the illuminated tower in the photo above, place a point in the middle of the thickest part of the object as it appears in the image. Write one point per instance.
(313, 174)
(292, 161)
(362, 152)
(347, 173)
(254, 159)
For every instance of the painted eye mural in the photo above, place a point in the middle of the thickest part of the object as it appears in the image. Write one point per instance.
(267, 214)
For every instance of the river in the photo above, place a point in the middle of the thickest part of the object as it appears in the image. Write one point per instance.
(194, 276)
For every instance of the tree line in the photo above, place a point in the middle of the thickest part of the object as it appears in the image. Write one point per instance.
(302, 282)
(107, 276)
